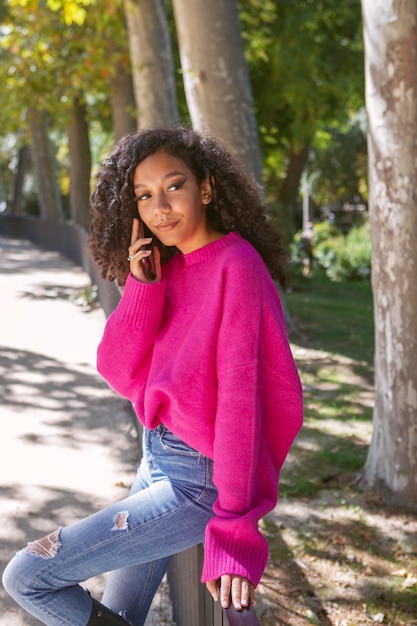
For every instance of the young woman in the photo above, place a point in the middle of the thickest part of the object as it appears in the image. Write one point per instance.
(198, 345)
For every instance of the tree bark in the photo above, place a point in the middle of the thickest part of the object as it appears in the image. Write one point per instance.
(289, 190)
(80, 165)
(391, 97)
(216, 77)
(44, 164)
(296, 164)
(152, 62)
(16, 201)
(122, 100)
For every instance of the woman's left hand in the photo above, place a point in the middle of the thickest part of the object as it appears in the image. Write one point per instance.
(239, 589)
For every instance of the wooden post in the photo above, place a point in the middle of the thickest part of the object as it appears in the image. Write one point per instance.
(191, 602)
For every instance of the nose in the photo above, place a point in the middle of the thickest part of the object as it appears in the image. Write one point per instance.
(161, 204)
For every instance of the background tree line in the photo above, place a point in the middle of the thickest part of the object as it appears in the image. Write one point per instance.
(282, 83)
(284, 80)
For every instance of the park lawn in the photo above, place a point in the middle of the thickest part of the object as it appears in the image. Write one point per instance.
(332, 334)
(338, 555)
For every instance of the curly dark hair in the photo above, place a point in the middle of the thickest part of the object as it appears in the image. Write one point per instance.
(237, 203)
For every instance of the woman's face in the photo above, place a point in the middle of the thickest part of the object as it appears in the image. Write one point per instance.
(171, 202)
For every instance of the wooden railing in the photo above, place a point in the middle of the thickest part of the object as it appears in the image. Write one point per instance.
(192, 604)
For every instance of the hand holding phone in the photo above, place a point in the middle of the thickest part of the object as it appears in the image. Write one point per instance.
(147, 262)
(143, 263)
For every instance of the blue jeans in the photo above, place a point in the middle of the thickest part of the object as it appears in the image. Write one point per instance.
(166, 511)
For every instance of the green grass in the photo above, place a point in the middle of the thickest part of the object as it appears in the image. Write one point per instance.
(333, 316)
(331, 329)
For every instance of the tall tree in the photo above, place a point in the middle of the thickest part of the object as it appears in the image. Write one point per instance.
(122, 100)
(152, 62)
(216, 77)
(80, 164)
(18, 179)
(44, 163)
(391, 96)
(59, 52)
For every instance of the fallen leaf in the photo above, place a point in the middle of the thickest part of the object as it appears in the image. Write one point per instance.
(409, 581)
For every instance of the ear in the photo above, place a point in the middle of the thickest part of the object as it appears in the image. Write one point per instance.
(206, 193)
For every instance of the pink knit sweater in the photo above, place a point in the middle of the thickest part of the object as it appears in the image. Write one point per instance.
(205, 352)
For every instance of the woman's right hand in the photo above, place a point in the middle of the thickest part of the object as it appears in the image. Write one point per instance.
(137, 252)
(233, 588)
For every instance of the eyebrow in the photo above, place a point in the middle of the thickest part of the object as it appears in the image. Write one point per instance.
(169, 175)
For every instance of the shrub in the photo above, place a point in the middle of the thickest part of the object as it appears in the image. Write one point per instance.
(341, 257)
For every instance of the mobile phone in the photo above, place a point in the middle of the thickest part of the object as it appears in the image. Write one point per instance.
(148, 262)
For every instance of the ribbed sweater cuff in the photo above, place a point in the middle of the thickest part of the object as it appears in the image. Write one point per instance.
(245, 558)
(141, 303)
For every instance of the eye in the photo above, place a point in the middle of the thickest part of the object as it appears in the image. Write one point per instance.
(177, 185)
(142, 196)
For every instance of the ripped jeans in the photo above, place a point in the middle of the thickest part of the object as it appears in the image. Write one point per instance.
(166, 511)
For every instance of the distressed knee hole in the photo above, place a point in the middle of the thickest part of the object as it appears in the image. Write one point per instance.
(120, 521)
(47, 547)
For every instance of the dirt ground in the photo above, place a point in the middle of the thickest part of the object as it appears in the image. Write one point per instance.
(342, 557)
(338, 565)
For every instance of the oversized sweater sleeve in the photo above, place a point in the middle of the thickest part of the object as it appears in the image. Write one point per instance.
(259, 413)
(125, 351)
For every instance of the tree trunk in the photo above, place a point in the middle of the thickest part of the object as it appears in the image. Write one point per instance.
(289, 190)
(216, 77)
(19, 178)
(152, 62)
(44, 164)
(122, 100)
(391, 96)
(80, 165)
(296, 164)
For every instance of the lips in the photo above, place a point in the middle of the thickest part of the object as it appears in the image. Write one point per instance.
(164, 227)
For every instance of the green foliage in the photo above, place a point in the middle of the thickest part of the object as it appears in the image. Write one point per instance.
(342, 257)
(306, 65)
(312, 54)
(51, 53)
(55, 51)
(338, 162)
(346, 257)
(323, 233)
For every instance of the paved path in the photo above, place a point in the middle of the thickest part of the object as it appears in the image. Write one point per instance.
(68, 445)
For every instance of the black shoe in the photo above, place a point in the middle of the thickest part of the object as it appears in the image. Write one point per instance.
(102, 616)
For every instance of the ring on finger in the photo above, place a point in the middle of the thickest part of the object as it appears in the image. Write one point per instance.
(133, 256)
